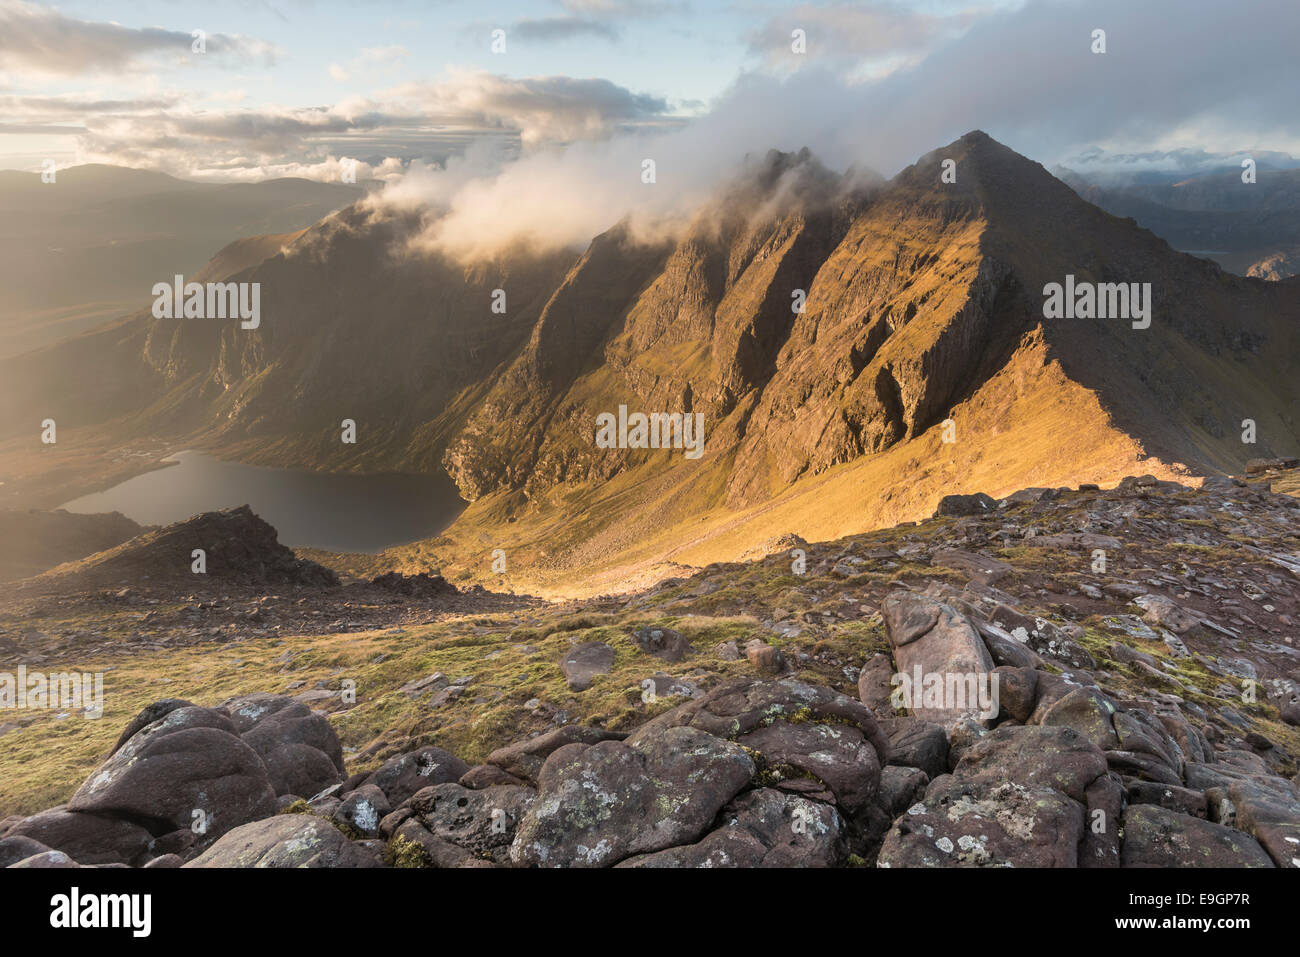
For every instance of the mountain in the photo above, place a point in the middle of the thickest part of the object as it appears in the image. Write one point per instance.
(90, 245)
(1249, 229)
(923, 322)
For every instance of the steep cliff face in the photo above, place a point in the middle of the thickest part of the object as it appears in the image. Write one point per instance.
(916, 296)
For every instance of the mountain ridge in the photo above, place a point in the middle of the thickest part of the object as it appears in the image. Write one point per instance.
(922, 312)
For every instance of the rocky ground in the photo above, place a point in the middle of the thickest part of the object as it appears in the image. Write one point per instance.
(1142, 637)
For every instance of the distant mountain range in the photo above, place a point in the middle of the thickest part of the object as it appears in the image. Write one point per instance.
(88, 246)
(919, 364)
(1248, 228)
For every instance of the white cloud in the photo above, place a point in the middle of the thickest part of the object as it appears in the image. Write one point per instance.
(40, 40)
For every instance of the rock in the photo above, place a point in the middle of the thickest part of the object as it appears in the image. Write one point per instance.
(87, 838)
(401, 776)
(481, 822)
(838, 756)
(300, 749)
(150, 714)
(363, 809)
(417, 688)
(1006, 650)
(934, 643)
(46, 859)
(602, 803)
(1089, 712)
(1017, 692)
(487, 776)
(190, 760)
(874, 688)
(916, 743)
(1126, 655)
(963, 824)
(738, 707)
(287, 840)
(900, 788)
(1168, 796)
(763, 828)
(976, 504)
(1042, 636)
(1017, 797)
(1057, 757)
(15, 848)
(1259, 466)
(977, 567)
(766, 659)
(1268, 809)
(1157, 837)
(1164, 612)
(663, 643)
(1290, 713)
(584, 662)
(666, 686)
(729, 651)
(1104, 809)
(524, 759)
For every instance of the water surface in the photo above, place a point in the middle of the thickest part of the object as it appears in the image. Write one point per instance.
(346, 513)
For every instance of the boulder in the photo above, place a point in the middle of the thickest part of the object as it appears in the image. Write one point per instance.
(976, 504)
(915, 743)
(87, 838)
(402, 775)
(481, 822)
(936, 646)
(188, 767)
(761, 828)
(584, 662)
(363, 809)
(18, 848)
(288, 840)
(524, 759)
(1158, 837)
(663, 643)
(599, 804)
(974, 824)
(299, 747)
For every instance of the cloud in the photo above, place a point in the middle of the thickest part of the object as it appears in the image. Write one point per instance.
(590, 18)
(548, 108)
(428, 120)
(549, 29)
(852, 32)
(42, 40)
(1026, 76)
(22, 105)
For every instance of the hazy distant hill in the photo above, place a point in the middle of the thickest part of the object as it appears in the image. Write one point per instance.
(1241, 226)
(90, 245)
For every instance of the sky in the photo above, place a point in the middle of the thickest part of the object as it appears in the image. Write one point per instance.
(537, 109)
(291, 86)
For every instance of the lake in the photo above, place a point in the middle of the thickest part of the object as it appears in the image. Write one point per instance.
(345, 513)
